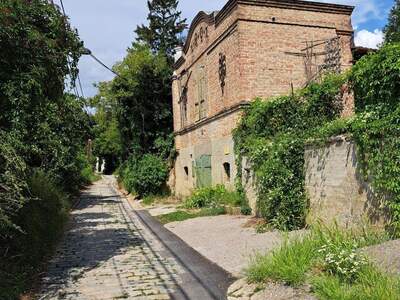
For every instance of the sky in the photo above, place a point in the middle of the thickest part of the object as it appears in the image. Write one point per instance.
(107, 28)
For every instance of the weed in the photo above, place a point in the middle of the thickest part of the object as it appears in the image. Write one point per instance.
(212, 197)
(296, 257)
(370, 284)
(288, 264)
(181, 215)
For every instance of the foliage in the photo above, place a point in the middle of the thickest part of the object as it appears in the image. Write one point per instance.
(143, 95)
(36, 44)
(135, 115)
(392, 29)
(144, 176)
(42, 219)
(376, 78)
(342, 260)
(87, 173)
(41, 128)
(40, 222)
(289, 264)
(370, 285)
(108, 144)
(181, 215)
(272, 135)
(212, 197)
(134, 121)
(375, 129)
(165, 24)
(298, 256)
(13, 187)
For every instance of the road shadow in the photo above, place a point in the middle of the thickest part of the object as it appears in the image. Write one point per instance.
(91, 239)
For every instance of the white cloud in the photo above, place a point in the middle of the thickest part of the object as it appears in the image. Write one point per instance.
(107, 27)
(365, 10)
(368, 39)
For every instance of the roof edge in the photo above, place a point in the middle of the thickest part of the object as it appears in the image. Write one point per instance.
(200, 17)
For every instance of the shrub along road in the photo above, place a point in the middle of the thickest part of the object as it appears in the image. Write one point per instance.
(112, 252)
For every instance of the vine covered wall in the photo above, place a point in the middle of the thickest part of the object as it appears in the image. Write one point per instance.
(273, 135)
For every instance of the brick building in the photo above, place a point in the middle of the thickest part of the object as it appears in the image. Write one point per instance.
(248, 49)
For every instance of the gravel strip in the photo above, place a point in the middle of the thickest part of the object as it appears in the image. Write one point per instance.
(224, 240)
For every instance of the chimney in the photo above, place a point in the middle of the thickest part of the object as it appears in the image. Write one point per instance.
(178, 53)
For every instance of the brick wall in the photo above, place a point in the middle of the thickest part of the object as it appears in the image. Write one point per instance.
(262, 46)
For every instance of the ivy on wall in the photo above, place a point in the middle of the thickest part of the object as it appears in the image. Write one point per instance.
(376, 127)
(273, 135)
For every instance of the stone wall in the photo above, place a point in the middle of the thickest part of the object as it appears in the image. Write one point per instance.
(334, 185)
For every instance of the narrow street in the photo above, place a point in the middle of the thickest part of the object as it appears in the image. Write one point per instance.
(110, 252)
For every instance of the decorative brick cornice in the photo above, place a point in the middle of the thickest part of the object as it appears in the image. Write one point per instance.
(200, 17)
(217, 18)
(221, 114)
(286, 4)
(344, 32)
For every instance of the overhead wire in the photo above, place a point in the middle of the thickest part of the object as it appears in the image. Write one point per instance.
(74, 88)
(103, 64)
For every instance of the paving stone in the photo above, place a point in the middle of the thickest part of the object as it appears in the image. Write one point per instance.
(108, 254)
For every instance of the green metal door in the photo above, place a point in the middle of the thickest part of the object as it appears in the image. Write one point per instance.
(203, 171)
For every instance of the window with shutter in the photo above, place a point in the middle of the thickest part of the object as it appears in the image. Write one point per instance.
(201, 102)
(183, 82)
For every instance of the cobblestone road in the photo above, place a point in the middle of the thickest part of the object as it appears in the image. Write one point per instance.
(108, 253)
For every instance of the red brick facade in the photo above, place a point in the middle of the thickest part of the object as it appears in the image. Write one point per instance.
(251, 48)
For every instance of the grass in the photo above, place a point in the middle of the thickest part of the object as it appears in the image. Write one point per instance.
(298, 261)
(289, 264)
(182, 215)
(371, 284)
(164, 198)
(88, 175)
(212, 196)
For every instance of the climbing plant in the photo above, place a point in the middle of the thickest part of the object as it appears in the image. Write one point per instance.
(375, 129)
(272, 134)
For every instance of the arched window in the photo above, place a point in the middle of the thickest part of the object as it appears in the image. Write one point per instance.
(227, 172)
(186, 170)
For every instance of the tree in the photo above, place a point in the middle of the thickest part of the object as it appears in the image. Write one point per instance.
(392, 29)
(165, 25)
(143, 94)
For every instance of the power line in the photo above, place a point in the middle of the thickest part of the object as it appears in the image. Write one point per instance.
(103, 64)
(87, 52)
(80, 85)
(62, 7)
(75, 89)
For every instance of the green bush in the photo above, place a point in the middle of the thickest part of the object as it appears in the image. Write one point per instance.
(42, 219)
(87, 173)
(40, 224)
(342, 259)
(212, 197)
(376, 78)
(144, 176)
(13, 186)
